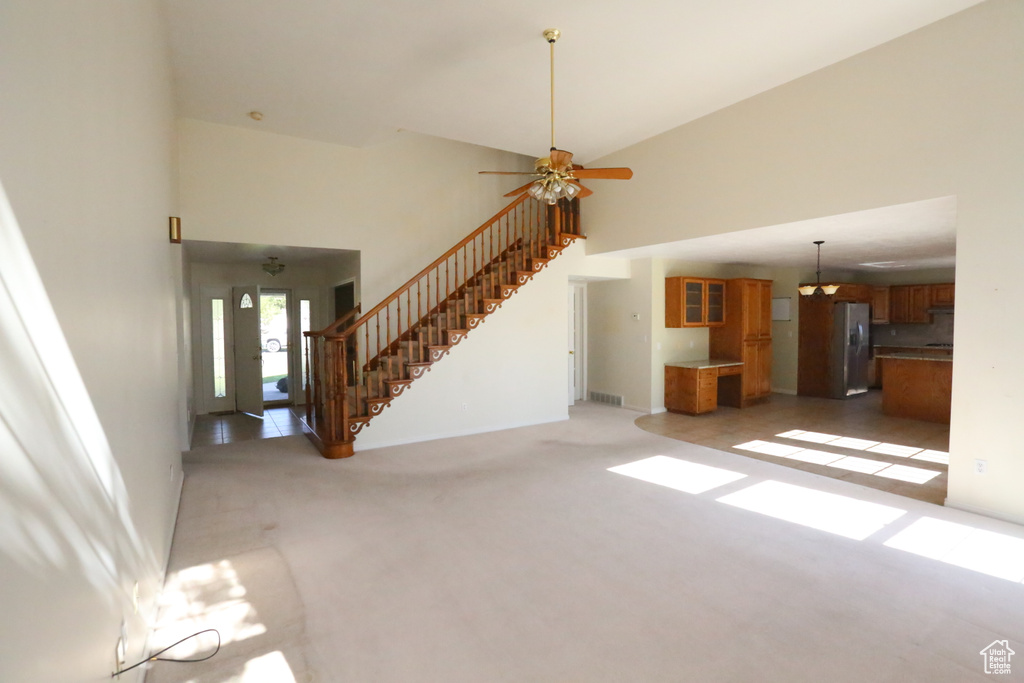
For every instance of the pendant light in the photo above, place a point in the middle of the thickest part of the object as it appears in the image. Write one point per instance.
(818, 290)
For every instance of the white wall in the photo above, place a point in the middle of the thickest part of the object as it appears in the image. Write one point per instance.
(935, 113)
(86, 158)
(401, 204)
(509, 372)
(240, 185)
(627, 356)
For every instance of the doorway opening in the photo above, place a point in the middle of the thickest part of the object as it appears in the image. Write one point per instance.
(275, 349)
(344, 298)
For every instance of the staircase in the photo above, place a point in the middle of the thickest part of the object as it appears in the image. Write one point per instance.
(354, 370)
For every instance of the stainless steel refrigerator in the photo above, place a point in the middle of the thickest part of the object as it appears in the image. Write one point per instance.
(850, 350)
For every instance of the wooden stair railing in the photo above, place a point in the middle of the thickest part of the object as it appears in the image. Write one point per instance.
(355, 369)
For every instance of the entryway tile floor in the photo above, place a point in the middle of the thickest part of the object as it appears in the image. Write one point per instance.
(211, 430)
(850, 440)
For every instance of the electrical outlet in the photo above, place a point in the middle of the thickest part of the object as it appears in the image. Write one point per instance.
(465, 407)
(980, 466)
(636, 316)
(892, 333)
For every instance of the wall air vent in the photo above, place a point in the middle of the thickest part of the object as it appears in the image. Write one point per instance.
(610, 399)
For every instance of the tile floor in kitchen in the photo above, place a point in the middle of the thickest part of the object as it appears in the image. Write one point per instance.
(850, 440)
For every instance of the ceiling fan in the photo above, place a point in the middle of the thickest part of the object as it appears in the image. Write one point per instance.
(557, 177)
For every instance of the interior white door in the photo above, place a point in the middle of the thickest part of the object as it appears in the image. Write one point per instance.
(248, 350)
(572, 345)
(578, 334)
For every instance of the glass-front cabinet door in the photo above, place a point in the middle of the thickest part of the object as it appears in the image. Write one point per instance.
(715, 302)
(693, 302)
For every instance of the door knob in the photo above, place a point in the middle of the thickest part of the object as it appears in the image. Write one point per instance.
(571, 353)
(257, 357)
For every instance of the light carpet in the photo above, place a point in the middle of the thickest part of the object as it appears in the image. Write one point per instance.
(518, 556)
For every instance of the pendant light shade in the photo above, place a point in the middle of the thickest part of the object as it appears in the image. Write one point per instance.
(818, 289)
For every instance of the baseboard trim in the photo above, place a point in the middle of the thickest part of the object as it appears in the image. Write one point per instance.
(454, 434)
(788, 392)
(983, 511)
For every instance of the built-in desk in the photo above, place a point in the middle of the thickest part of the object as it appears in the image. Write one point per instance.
(699, 386)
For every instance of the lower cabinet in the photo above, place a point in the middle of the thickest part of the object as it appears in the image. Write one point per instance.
(757, 364)
(691, 390)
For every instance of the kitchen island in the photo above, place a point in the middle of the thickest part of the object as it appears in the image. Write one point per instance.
(917, 385)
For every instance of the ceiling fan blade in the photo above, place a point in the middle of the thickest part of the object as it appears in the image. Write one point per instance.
(604, 173)
(584, 191)
(509, 172)
(520, 190)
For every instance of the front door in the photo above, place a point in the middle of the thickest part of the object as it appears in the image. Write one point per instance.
(248, 354)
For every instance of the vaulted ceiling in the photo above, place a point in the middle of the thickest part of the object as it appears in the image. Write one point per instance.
(354, 72)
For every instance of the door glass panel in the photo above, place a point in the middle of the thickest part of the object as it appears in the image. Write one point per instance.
(219, 366)
(274, 342)
(304, 326)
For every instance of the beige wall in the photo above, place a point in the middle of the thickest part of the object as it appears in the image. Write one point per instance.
(240, 185)
(401, 204)
(638, 375)
(932, 114)
(88, 497)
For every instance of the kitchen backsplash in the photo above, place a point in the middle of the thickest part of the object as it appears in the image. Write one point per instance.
(940, 331)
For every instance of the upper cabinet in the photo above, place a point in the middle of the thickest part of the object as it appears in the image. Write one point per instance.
(943, 295)
(694, 302)
(880, 305)
(910, 303)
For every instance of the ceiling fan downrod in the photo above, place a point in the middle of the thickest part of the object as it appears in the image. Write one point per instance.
(551, 35)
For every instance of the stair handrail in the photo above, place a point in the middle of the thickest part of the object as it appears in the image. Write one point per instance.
(336, 324)
(429, 269)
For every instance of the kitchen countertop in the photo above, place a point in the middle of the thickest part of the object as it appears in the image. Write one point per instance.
(911, 346)
(706, 363)
(916, 356)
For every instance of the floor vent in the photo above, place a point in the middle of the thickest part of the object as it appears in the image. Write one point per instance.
(610, 399)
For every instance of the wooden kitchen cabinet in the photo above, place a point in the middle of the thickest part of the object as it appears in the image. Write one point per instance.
(697, 387)
(943, 294)
(757, 359)
(910, 304)
(694, 302)
(747, 334)
(879, 305)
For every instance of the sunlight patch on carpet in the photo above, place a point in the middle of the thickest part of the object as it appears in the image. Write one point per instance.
(681, 475)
